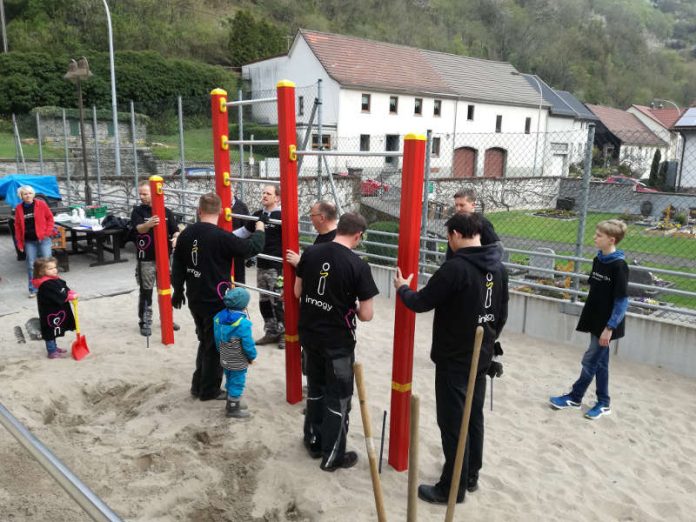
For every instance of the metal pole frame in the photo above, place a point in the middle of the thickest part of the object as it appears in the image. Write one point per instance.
(240, 122)
(38, 139)
(135, 148)
(405, 319)
(287, 137)
(114, 105)
(182, 161)
(320, 137)
(426, 183)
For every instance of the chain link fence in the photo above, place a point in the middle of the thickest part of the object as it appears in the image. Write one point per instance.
(543, 192)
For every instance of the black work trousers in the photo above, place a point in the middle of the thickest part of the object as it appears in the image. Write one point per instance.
(329, 394)
(207, 378)
(450, 395)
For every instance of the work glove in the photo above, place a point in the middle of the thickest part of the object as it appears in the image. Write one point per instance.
(178, 299)
(495, 369)
(263, 218)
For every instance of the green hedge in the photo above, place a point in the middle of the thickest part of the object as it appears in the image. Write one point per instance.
(29, 80)
(382, 226)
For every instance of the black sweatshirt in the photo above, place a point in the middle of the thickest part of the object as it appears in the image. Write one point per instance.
(203, 259)
(469, 290)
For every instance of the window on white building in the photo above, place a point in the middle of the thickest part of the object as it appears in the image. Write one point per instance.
(365, 103)
(364, 142)
(393, 104)
(300, 106)
(435, 147)
(470, 112)
(527, 125)
(499, 123)
(391, 144)
(325, 140)
(437, 108)
(418, 106)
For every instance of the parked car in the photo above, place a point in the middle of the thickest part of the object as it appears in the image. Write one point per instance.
(638, 186)
(195, 172)
(372, 187)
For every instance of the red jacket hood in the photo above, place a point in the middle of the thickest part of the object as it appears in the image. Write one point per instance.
(41, 280)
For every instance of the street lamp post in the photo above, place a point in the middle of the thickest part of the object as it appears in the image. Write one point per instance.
(77, 72)
(538, 127)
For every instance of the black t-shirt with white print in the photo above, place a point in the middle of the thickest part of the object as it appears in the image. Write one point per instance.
(29, 225)
(145, 243)
(333, 278)
(274, 239)
(608, 282)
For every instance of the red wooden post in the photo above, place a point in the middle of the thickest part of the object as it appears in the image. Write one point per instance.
(405, 320)
(287, 145)
(221, 155)
(164, 290)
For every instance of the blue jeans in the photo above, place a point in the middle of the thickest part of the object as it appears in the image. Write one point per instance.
(35, 249)
(595, 364)
(51, 345)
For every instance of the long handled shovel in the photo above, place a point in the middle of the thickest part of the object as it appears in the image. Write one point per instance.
(371, 454)
(412, 507)
(464, 430)
(79, 345)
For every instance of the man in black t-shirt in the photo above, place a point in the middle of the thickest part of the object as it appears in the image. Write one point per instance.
(268, 272)
(324, 220)
(142, 225)
(334, 287)
(239, 207)
(203, 261)
(465, 203)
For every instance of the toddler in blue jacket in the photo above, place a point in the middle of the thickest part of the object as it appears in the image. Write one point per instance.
(234, 341)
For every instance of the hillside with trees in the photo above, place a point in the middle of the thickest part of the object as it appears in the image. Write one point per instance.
(614, 52)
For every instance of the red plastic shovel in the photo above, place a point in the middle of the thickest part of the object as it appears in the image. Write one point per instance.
(79, 345)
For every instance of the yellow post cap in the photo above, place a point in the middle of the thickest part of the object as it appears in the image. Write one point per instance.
(412, 136)
(155, 178)
(218, 91)
(285, 83)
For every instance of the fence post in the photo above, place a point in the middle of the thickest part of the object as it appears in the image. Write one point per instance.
(320, 140)
(426, 183)
(221, 155)
(182, 161)
(65, 150)
(586, 175)
(404, 319)
(96, 153)
(240, 121)
(287, 147)
(135, 148)
(38, 139)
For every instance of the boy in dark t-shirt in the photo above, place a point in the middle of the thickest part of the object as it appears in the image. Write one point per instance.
(334, 287)
(603, 317)
(142, 225)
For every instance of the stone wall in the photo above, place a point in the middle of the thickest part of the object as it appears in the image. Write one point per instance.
(615, 198)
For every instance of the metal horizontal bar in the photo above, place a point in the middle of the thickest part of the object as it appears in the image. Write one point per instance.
(85, 497)
(252, 142)
(244, 217)
(259, 290)
(265, 181)
(270, 258)
(238, 103)
(348, 153)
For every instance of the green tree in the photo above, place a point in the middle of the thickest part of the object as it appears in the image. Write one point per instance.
(655, 168)
(252, 40)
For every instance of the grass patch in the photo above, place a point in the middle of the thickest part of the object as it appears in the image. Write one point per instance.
(31, 151)
(198, 147)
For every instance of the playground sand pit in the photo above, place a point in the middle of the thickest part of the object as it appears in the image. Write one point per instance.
(123, 420)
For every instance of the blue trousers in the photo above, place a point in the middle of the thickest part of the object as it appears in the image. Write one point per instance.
(595, 364)
(235, 380)
(35, 249)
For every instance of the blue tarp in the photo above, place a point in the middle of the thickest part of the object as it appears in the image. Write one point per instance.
(46, 185)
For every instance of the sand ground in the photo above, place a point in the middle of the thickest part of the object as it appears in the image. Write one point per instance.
(123, 421)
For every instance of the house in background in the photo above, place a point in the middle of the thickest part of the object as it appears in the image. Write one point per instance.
(686, 126)
(564, 142)
(623, 139)
(661, 121)
(484, 116)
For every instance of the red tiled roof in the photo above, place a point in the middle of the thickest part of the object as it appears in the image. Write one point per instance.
(358, 62)
(667, 116)
(626, 126)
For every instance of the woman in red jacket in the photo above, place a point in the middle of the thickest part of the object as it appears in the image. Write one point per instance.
(33, 229)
